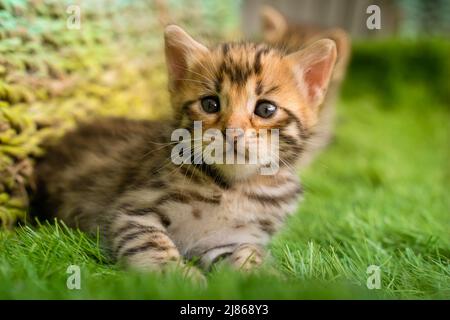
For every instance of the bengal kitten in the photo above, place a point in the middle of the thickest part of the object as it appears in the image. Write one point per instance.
(116, 175)
(279, 32)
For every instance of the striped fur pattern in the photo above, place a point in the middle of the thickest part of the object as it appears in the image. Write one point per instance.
(116, 175)
(279, 32)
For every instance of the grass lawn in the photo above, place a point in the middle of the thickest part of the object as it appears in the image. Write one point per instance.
(377, 196)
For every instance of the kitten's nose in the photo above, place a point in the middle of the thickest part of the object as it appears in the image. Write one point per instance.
(232, 135)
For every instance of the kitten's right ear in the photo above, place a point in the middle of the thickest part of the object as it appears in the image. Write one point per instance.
(312, 68)
(180, 49)
(274, 24)
(343, 47)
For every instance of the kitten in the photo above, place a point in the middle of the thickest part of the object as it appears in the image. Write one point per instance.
(117, 175)
(277, 31)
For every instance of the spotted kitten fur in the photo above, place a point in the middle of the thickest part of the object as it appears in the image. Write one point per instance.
(279, 32)
(116, 175)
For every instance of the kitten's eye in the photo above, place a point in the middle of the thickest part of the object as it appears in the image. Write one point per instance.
(265, 109)
(211, 104)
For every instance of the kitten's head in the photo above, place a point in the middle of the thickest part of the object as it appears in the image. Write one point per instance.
(252, 88)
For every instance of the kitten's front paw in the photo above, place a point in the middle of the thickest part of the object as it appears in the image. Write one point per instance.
(195, 275)
(189, 272)
(247, 257)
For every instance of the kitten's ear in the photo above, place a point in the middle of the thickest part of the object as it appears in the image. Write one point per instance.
(180, 49)
(343, 48)
(274, 24)
(312, 69)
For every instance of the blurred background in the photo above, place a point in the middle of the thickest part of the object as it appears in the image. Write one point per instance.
(400, 18)
(52, 74)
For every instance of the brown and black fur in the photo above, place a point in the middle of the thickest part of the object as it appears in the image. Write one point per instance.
(116, 175)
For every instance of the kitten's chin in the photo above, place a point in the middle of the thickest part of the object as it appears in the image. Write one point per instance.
(238, 172)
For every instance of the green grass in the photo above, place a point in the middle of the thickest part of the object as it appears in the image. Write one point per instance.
(377, 196)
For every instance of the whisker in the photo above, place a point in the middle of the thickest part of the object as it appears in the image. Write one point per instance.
(199, 62)
(193, 80)
(197, 73)
(209, 71)
(164, 145)
(278, 158)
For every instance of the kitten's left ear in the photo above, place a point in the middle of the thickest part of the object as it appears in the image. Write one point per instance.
(180, 49)
(312, 69)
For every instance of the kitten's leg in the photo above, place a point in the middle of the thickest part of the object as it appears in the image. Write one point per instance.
(142, 242)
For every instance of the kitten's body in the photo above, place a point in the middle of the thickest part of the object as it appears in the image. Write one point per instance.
(116, 175)
(115, 178)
